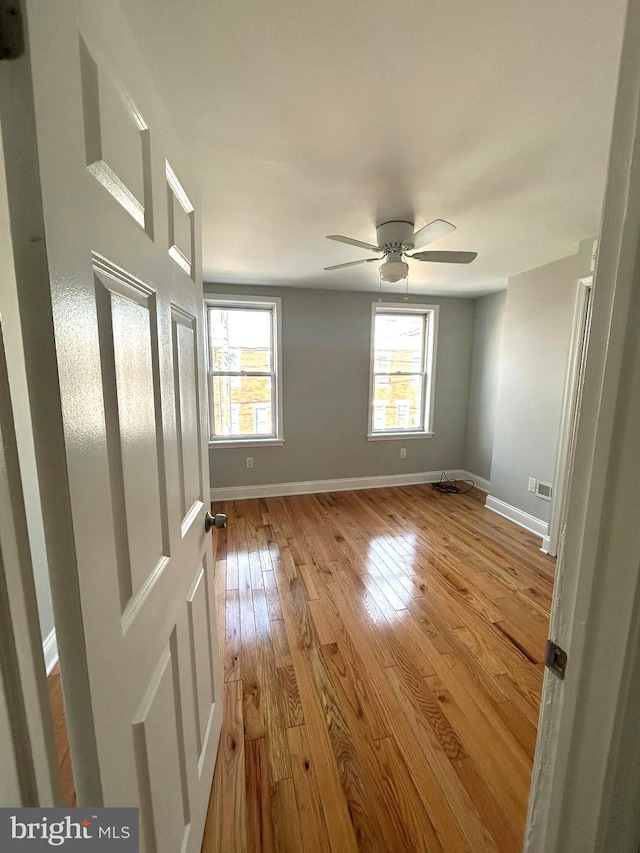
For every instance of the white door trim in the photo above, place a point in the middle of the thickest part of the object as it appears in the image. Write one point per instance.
(29, 774)
(585, 779)
(570, 399)
(28, 766)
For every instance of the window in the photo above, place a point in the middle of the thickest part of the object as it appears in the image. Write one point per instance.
(243, 338)
(403, 340)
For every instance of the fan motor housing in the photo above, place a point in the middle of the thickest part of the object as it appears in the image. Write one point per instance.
(395, 236)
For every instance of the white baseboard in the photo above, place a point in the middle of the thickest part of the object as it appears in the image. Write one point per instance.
(50, 649)
(546, 542)
(310, 487)
(478, 482)
(529, 522)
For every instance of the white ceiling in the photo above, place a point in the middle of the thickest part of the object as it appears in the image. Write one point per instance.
(315, 117)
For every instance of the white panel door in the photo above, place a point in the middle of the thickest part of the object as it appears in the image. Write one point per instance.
(121, 224)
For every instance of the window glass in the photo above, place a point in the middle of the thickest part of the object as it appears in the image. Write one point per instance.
(402, 395)
(235, 408)
(240, 339)
(379, 415)
(399, 343)
(262, 418)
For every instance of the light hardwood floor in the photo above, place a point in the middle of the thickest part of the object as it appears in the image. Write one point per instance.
(382, 654)
(56, 700)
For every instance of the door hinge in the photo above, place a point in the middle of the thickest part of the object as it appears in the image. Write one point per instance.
(11, 30)
(555, 659)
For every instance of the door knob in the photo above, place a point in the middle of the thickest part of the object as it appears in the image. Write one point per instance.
(217, 520)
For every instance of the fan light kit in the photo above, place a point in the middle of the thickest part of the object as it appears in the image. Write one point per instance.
(395, 240)
(394, 271)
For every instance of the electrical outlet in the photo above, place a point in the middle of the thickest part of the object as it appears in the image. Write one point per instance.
(249, 461)
(403, 453)
(532, 484)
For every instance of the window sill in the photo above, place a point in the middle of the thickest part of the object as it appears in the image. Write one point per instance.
(249, 442)
(397, 436)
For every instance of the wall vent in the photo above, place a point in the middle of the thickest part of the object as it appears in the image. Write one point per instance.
(544, 490)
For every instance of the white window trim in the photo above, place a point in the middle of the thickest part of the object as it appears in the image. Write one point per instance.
(229, 300)
(431, 347)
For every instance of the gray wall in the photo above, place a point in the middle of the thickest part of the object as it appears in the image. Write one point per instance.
(484, 382)
(325, 374)
(537, 330)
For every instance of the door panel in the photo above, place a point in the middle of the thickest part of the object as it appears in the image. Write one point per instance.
(128, 337)
(123, 248)
(201, 660)
(116, 139)
(158, 735)
(184, 328)
(181, 224)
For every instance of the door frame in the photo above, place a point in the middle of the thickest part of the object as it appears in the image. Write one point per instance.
(30, 770)
(569, 416)
(32, 288)
(585, 789)
(30, 762)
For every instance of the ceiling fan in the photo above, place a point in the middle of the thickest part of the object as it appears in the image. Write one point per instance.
(396, 239)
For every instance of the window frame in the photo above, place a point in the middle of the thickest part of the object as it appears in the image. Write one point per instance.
(232, 301)
(431, 315)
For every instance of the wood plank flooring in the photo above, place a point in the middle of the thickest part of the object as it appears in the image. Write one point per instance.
(382, 654)
(56, 700)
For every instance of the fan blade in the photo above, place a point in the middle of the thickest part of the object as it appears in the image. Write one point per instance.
(445, 257)
(351, 242)
(433, 231)
(352, 263)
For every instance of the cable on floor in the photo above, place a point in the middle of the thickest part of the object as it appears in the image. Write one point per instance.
(452, 487)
